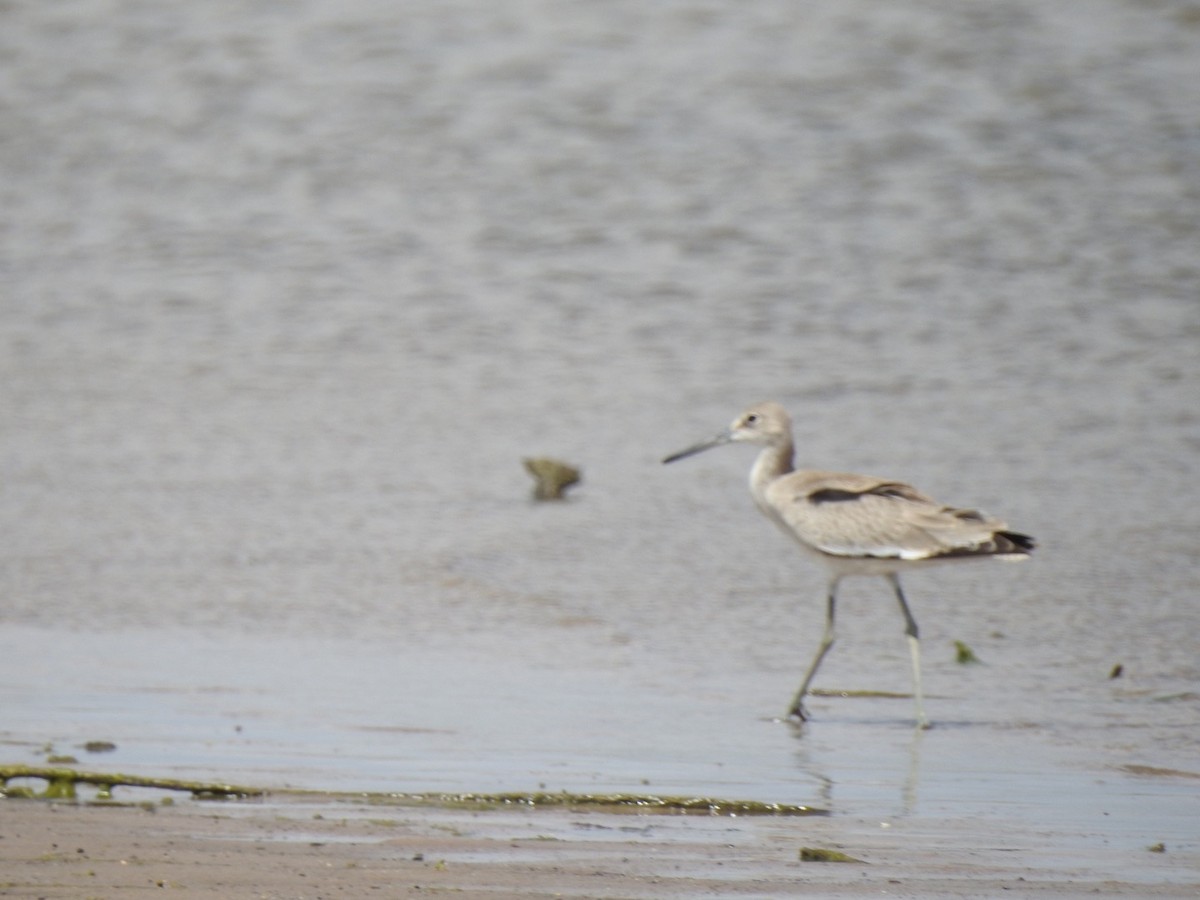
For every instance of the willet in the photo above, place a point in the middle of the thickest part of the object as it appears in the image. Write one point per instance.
(858, 525)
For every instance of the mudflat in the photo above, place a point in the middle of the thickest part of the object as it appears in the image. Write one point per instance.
(343, 847)
(288, 293)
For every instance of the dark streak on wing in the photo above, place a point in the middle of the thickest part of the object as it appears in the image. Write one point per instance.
(891, 489)
(967, 515)
(832, 495)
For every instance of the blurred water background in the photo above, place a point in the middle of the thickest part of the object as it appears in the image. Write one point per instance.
(289, 289)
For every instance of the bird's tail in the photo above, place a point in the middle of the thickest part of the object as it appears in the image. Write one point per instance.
(1012, 545)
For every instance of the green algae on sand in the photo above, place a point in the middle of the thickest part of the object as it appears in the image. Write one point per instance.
(61, 785)
(617, 802)
(964, 655)
(819, 854)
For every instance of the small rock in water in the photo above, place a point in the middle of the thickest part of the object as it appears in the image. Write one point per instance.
(551, 477)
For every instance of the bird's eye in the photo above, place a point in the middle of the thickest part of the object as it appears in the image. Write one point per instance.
(752, 419)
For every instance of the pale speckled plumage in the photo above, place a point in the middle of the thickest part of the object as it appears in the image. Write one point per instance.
(858, 524)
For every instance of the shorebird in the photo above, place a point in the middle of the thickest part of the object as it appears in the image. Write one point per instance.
(858, 525)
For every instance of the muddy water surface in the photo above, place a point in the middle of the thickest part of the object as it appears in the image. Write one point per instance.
(288, 294)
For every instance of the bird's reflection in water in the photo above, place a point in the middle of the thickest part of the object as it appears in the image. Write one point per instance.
(820, 762)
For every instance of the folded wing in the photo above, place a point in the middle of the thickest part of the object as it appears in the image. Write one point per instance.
(847, 515)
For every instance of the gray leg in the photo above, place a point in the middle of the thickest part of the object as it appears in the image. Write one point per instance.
(797, 708)
(914, 647)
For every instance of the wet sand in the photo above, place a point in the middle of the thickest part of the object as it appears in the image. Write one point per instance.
(346, 848)
(975, 806)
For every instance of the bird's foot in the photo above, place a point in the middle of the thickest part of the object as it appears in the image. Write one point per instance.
(798, 714)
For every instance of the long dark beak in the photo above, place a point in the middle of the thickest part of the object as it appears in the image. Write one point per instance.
(715, 441)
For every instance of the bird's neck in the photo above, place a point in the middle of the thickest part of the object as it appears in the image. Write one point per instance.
(773, 462)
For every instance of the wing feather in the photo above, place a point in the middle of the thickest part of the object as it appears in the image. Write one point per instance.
(847, 515)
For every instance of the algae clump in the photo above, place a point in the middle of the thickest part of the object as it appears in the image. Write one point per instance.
(613, 803)
(551, 477)
(818, 854)
(61, 784)
(964, 655)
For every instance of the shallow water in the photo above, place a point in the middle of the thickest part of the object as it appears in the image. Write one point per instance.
(288, 294)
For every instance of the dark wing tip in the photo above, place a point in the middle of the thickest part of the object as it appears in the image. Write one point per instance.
(1018, 543)
(1003, 544)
